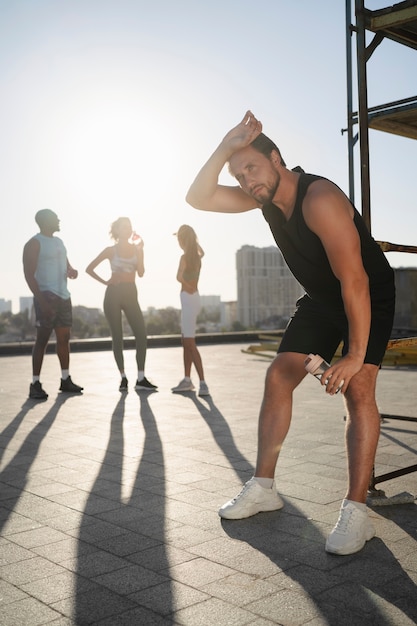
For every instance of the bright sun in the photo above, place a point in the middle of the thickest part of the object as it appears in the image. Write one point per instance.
(107, 148)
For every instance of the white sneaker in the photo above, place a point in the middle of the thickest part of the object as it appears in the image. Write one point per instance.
(183, 385)
(203, 390)
(251, 500)
(352, 531)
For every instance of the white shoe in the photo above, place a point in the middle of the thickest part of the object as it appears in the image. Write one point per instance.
(203, 390)
(352, 531)
(183, 385)
(251, 500)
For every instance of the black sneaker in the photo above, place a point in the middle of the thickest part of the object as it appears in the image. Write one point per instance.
(123, 384)
(69, 387)
(145, 384)
(36, 392)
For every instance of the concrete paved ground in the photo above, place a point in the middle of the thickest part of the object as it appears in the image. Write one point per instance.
(108, 502)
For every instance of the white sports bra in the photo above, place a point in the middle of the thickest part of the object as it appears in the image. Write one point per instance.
(120, 265)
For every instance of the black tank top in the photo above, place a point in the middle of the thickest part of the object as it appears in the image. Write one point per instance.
(307, 259)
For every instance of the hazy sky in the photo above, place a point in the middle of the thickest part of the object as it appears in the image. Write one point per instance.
(110, 107)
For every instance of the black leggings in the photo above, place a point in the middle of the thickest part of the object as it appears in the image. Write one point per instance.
(124, 297)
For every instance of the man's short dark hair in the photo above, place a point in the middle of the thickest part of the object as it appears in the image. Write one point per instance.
(265, 145)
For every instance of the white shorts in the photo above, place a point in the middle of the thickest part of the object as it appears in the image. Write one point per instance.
(190, 308)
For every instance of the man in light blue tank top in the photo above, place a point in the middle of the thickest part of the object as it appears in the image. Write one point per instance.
(46, 269)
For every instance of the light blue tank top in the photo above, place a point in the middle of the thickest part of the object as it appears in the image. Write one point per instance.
(51, 271)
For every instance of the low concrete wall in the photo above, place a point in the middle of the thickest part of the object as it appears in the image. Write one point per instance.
(155, 341)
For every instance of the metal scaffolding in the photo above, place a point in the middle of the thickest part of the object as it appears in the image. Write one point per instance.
(399, 24)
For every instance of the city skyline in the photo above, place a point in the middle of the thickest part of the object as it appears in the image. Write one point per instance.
(267, 293)
(4, 301)
(110, 109)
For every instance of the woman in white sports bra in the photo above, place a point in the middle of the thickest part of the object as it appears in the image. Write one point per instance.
(126, 260)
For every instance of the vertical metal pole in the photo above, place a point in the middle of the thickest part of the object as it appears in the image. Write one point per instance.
(363, 112)
(349, 81)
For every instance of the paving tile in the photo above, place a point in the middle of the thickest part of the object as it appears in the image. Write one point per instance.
(199, 572)
(93, 564)
(162, 556)
(80, 500)
(169, 596)
(64, 550)
(57, 587)
(27, 612)
(38, 537)
(29, 570)
(286, 607)
(242, 589)
(366, 602)
(70, 520)
(213, 611)
(10, 593)
(92, 606)
(127, 543)
(38, 509)
(128, 517)
(127, 580)
(12, 553)
(95, 530)
(139, 615)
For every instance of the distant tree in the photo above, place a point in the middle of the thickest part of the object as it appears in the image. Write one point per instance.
(102, 330)
(163, 322)
(209, 315)
(22, 323)
(88, 323)
(237, 326)
(80, 329)
(272, 322)
(4, 323)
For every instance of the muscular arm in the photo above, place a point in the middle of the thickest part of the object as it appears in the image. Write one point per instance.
(140, 268)
(30, 263)
(205, 192)
(329, 214)
(71, 272)
(90, 269)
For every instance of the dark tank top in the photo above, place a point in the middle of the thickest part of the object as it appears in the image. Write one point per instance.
(306, 257)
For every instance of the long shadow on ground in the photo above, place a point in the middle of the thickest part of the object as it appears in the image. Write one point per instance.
(114, 533)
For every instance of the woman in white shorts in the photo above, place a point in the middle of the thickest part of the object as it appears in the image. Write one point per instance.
(188, 275)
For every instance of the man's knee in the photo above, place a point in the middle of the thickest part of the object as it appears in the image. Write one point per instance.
(361, 390)
(286, 369)
(62, 335)
(42, 336)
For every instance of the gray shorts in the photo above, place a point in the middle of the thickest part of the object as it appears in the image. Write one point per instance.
(61, 312)
(317, 329)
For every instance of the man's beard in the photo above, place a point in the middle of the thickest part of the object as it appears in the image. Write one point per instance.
(266, 194)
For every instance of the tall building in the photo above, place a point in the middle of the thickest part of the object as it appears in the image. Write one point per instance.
(25, 302)
(5, 306)
(210, 303)
(265, 286)
(228, 315)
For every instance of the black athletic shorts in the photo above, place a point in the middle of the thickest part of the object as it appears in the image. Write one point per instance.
(317, 329)
(61, 312)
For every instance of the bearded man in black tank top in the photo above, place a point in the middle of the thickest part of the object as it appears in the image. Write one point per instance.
(350, 297)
